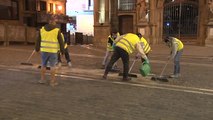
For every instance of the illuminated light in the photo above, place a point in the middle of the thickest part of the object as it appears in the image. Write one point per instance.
(59, 7)
(167, 24)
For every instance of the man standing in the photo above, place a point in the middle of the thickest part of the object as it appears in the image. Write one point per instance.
(176, 51)
(66, 51)
(124, 46)
(109, 50)
(48, 42)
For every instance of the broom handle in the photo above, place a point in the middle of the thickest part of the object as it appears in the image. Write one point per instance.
(132, 65)
(30, 56)
(164, 68)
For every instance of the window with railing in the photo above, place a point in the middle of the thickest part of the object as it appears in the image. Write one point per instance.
(9, 10)
(126, 5)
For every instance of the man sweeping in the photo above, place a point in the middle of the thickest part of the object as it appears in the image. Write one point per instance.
(145, 45)
(124, 46)
(176, 51)
(48, 42)
(109, 50)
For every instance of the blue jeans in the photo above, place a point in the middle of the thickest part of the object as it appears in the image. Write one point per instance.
(48, 57)
(177, 62)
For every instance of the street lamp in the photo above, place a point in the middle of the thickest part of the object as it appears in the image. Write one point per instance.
(59, 8)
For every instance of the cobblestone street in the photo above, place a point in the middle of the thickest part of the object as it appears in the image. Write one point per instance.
(83, 95)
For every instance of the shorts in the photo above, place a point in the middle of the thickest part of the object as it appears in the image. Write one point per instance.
(49, 58)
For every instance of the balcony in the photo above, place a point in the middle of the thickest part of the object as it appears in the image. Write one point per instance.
(127, 5)
(42, 17)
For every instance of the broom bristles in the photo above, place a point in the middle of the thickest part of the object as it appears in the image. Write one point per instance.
(26, 64)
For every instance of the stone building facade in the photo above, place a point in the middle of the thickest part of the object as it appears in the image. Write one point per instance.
(20, 18)
(189, 20)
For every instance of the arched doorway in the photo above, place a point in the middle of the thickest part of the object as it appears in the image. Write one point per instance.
(180, 19)
(125, 24)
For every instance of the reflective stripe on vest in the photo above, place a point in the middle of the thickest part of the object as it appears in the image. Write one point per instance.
(180, 44)
(128, 42)
(49, 41)
(145, 46)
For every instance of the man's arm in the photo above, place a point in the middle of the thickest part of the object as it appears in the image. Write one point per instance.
(38, 42)
(61, 42)
(140, 51)
(174, 50)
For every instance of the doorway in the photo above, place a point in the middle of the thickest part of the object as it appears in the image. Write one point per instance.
(125, 24)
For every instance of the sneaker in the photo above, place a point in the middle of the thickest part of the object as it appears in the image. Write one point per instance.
(69, 64)
(42, 81)
(53, 84)
(59, 64)
(126, 79)
(174, 76)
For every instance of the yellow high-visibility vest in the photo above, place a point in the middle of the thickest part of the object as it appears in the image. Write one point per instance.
(128, 42)
(145, 45)
(109, 46)
(49, 40)
(180, 44)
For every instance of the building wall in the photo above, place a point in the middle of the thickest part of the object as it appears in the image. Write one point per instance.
(17, 29)
(153, 29)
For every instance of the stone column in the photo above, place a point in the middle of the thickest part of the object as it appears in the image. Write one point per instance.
(153, 21)
(107, 12)
(96, 12)
(209, 38)
(159, 21)
(142, 22)
(101, 30)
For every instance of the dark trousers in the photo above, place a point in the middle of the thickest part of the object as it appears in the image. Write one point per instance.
(119, 53)
(67, 56)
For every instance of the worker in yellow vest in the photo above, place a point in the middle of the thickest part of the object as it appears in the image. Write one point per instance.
(124, 46)
(66, 52)
(145, 45)
(109, 50)
(176, 51)
(48, 42)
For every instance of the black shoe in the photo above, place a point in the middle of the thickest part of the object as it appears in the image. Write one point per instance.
(104, 77)
(126, 79)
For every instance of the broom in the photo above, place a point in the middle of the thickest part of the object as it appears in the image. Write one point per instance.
(27, 62)
(129, 74)
(161, 77)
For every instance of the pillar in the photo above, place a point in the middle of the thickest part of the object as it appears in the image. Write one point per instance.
(101, 28)
(209, 38)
